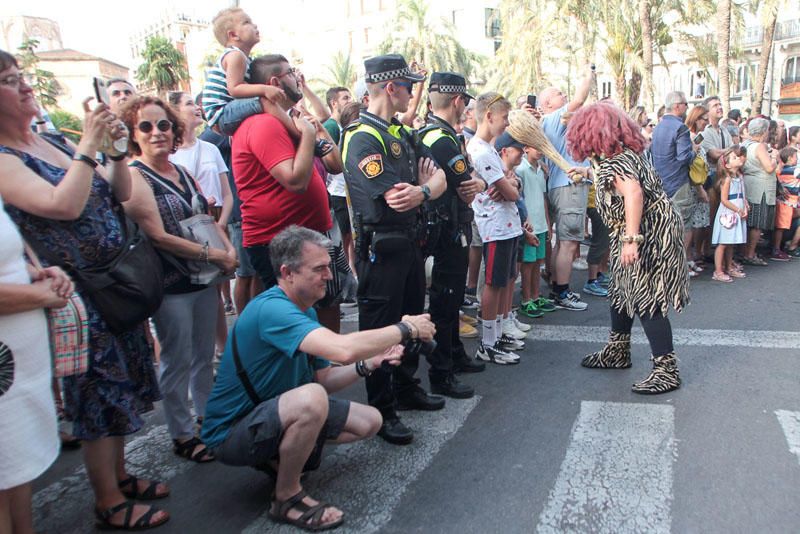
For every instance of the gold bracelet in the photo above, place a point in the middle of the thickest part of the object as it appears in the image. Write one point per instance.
(636, 238)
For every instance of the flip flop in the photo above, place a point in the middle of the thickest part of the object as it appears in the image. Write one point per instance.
(721, 277)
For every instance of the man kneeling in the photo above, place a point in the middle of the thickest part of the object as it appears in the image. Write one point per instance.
(270, 407)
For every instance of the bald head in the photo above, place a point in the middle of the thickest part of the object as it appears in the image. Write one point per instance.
(551, 99)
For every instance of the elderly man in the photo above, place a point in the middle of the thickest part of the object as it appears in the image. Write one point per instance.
(387, 183)
(270, 407)
(568, 199)
(673, 152)
(119, 92)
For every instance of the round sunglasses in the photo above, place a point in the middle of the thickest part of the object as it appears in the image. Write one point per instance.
(146, 126)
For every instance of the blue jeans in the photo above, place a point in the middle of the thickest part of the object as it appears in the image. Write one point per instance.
(236, 111)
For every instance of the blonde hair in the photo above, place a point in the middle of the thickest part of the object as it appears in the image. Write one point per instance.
(223, 22)
(490, 101)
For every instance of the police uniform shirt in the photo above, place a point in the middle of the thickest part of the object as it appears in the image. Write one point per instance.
(378, 155)
(439, 144)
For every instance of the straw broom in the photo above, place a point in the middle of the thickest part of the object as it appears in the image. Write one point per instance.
(526, 129)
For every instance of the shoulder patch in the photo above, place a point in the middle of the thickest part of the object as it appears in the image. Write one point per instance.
(458, 165)
(371, 166)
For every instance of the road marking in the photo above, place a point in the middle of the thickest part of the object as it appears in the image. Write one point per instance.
(148, 455)
(617, 473)
(359, 480)
(790, 422)
(770, 339)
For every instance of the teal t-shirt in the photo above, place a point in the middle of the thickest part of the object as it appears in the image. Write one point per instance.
(333, 128)
(268, 334)
(534, 188)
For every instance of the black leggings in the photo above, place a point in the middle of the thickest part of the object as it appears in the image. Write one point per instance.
(656, 328)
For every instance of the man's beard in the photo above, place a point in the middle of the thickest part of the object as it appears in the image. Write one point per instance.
(293, 95)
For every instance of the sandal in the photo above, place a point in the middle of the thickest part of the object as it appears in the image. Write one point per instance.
(311, 518)
(149, 494)
(189, 450)
(755, 260)
(143, 523)
(736, 273)
(721, 277)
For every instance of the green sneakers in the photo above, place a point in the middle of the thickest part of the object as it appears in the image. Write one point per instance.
(545, 305)
(530, 309)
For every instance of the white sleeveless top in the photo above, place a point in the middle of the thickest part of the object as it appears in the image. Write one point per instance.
(29, 437)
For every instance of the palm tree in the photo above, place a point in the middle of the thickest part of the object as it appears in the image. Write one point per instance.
(45, 87)
(723, 37)
(163, 67)
(769, 20)
(517, 66)
(645, 7)
(434, 45)
(341, 71)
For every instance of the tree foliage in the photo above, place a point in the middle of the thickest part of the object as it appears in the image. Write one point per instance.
(163, 66)
(432, 43)
(65, 119)
(44, 84)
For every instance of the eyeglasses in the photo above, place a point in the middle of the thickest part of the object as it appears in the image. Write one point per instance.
(292, 71)
(146, 126)
(407, 85)
(15, 80)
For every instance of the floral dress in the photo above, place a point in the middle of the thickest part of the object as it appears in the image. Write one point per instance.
(120, 384)
(659, 279)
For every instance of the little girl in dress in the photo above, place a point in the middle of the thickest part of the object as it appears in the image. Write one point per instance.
(730, 223)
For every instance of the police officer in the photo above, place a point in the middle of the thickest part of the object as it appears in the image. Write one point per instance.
(449, 218)
(386, 185)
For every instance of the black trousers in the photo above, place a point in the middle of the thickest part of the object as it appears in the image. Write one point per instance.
(389, 287)
(448, 279)
(656, 327)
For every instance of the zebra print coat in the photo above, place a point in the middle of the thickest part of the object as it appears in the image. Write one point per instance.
(659, 280)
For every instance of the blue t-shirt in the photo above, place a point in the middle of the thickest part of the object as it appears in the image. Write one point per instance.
(556, 132)
(534, 188)
(268, 334)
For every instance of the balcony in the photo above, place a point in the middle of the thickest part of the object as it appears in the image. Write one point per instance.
(754, 35)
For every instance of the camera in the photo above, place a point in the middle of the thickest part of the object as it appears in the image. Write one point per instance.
(418, 347)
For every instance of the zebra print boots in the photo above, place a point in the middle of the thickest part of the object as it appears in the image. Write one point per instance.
(664, 376)
(615, 355)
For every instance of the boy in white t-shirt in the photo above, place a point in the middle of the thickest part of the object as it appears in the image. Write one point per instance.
(498, 223)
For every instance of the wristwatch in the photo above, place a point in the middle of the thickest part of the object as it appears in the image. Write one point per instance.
(426, 191)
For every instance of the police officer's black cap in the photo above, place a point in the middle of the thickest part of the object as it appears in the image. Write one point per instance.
(448, 83)
(389, 67)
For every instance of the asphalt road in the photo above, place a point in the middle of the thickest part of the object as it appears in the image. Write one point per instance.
(545, 446)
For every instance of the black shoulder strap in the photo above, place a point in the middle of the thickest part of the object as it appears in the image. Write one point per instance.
(241, 373)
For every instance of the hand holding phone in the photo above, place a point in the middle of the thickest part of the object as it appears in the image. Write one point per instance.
(532, 101)
(698, 139)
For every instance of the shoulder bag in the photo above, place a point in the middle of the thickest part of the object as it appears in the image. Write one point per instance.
(68, 330)
(200, 228)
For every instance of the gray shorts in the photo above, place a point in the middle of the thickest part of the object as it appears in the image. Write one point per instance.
(476, 236)
(254, 439)
(245, 269)
(568, 209)
(683, 201)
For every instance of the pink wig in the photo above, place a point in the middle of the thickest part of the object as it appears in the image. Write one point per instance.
(602, 129)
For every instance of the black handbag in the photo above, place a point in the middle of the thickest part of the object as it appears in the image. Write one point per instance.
(128, 289)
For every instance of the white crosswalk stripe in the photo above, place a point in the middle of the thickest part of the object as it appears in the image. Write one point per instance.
(790, 423)
(360, 481)
(617, 473)
(681, 336)
(149, 455)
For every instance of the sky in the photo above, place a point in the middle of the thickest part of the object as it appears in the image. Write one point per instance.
(103, 28)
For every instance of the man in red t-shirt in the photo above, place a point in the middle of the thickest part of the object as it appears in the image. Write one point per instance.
(275, 175)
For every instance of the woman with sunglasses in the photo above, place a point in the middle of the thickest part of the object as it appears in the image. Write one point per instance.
(68, 207)
(162, 195)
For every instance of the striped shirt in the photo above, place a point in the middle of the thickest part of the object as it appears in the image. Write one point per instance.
(215, 92)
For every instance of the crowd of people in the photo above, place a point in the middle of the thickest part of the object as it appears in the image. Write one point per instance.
(317, 202)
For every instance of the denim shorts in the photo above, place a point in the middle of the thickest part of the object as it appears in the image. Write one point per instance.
(245, 269)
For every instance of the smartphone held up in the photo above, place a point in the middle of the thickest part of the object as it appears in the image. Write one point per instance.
(112, 146)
